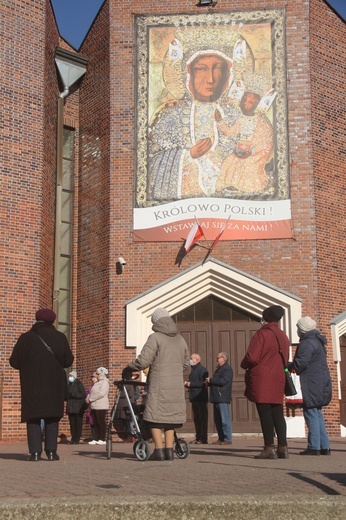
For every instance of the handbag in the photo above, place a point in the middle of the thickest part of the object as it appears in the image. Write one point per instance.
(296, 399)
(290, 389)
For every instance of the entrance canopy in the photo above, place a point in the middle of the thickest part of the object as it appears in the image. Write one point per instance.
(213, 278)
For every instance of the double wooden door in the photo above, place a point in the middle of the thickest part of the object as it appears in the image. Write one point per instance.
(208, 339)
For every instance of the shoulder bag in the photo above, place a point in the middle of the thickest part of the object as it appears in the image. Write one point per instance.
(290, 389)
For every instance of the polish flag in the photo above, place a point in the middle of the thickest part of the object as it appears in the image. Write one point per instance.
(195, 233)
(219, 236)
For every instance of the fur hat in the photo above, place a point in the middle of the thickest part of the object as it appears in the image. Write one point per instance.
(45, 315)
(273, 313)
(73, 374)
(103, 370)
(306, 323)
(158, 314)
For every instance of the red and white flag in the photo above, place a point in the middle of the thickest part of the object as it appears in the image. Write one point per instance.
(213, 245)
(195, 233)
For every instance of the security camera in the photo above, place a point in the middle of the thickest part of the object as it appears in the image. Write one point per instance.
(121, 261)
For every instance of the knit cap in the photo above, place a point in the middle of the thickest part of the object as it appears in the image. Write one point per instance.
(306, 323)
(103, 370)
(73, 374)
(45, 315)
(159, 313)
(273, 313)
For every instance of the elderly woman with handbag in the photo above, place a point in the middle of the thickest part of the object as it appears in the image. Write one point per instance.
(265, 380)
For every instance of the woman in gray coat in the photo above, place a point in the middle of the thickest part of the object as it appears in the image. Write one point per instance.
(167, 355)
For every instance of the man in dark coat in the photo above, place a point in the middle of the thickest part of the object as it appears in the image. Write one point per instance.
(198, 397)
(220, 396)
(40, 355)
(310, 363)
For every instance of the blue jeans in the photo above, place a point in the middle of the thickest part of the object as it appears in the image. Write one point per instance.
(223, 423)
(317, 436)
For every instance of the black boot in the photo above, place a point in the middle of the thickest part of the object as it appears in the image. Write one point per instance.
(169, 455)
(158, 454)
(282, 452)
(269, 452)
(34, 457)
(52, 455)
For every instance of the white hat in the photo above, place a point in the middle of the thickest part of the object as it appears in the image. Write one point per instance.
(159, 313)
(73, 374)
(103, 370)
(306, 324)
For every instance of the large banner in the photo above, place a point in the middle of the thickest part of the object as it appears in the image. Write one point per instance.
(211, 126)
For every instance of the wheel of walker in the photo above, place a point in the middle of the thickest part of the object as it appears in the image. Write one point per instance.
(181, 448)
(109, 447)
(142, 450)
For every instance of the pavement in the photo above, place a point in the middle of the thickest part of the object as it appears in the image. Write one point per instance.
(214, 482)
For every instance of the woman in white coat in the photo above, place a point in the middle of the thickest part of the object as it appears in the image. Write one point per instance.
(99, 403)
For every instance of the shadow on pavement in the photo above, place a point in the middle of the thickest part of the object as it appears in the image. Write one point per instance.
(323, 487)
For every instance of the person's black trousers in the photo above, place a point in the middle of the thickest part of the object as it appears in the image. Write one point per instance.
(76, 425)
(272, 420)
(200, 418)
(100, 425)
(34, 434)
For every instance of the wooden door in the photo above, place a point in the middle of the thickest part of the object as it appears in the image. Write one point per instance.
(208, 339)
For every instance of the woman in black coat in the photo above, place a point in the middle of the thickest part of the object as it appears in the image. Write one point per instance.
(40, 355)
(75, 406)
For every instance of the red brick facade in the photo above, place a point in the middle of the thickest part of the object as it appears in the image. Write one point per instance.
(311, 265)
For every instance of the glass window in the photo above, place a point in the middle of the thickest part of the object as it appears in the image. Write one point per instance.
(186, 316)
(221, 312)
(65, 289)
(203, 310)
(212, 309)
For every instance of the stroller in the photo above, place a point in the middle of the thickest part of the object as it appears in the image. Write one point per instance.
(141, 448)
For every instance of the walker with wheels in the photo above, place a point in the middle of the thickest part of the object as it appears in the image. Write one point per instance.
(141, 447)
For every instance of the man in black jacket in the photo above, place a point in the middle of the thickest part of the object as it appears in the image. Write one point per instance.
(220, 396)
(40, 355)
(198, 397)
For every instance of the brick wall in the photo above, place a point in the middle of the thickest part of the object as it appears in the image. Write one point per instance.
(27, 217)
(293, 265)
(103, 112)
(328, 77)
(289, 264)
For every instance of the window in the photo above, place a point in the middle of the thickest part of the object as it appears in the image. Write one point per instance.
(65, 284)
(212, 309)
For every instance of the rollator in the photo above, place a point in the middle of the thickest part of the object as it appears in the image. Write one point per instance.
(141, 447)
